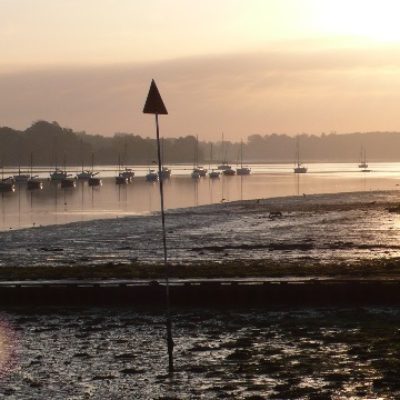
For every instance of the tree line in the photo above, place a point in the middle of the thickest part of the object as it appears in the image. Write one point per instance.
(50, 144)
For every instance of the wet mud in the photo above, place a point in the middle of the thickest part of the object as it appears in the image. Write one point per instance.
(350, 227)
(251, 354)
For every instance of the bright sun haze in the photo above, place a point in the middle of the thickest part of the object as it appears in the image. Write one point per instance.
(259, 66)
(377, 20)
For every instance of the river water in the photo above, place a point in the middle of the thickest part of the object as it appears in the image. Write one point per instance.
(54, 205)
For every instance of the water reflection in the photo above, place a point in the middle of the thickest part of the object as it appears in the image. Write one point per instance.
(54, 205)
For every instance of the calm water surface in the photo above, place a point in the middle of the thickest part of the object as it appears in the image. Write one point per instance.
(54, 205)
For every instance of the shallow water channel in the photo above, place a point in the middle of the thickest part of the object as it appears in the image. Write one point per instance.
(121, 353)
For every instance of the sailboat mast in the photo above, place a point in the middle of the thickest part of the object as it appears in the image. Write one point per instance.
(81, 143)
(211, 155)
(241, 153)
(298, 151)
(222, 149)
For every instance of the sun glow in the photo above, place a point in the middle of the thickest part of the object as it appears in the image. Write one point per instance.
(377, 20)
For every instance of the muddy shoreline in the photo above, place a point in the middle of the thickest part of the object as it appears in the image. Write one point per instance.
(329, 235)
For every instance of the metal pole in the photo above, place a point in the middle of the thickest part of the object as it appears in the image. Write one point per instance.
(170, 342)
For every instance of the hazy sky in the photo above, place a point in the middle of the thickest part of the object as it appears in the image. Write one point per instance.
(237, 66)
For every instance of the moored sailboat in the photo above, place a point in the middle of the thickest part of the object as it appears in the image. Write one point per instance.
(198, 171)
(363, 159)
(242, 170)
(94, 180)
(299, 167)
(152, 176)
(213, 174)
(6, 184)
(34, 183)
(21, 178)
(224, 164)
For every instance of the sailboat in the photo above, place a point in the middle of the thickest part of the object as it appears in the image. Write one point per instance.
(120, 179)
(58, 174)
(94, 180)
(213, 174)
(128, 173)
(299, 168)
(152, 176)
(67, 181)
(224, 164)
(85, 174)
(363, 158)
(34, 183)
(242, 170)
(6, 184)
(165, 171)
(21, 177)
(198, 171)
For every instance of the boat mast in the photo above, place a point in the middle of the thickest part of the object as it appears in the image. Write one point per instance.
(211, 155)
(82, 155)
(298, 151)
(222, 149)
(241, 153)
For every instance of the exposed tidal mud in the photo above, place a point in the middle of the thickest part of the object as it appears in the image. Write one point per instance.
(280, 354)
(326, 228)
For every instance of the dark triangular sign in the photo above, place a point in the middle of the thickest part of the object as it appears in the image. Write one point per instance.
(154, 103)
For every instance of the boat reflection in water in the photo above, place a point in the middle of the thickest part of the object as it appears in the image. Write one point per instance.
(56, 204)
(68, 183)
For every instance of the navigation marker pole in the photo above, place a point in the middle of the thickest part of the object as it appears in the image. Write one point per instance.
(155, 105)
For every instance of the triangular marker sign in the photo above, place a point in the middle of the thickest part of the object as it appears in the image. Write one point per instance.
(154, 103)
